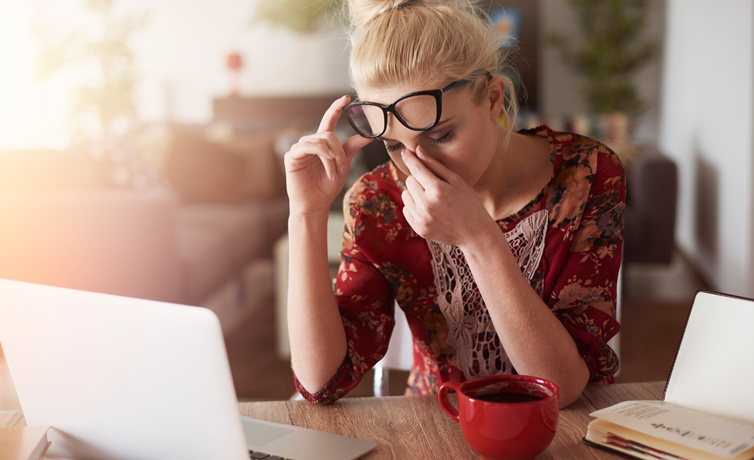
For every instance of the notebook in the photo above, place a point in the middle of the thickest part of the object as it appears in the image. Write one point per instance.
(713, 368)
(123, 378)
(707, 410)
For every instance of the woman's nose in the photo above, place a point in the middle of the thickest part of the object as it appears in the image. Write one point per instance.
(409, 150)
(411, 146)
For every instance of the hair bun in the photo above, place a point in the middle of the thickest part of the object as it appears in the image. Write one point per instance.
(363, 11)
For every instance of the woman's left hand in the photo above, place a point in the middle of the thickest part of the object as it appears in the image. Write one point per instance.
(438, 204)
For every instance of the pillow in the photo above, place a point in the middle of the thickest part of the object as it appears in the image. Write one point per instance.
(202, 171)
(217, 163)
(263, 176)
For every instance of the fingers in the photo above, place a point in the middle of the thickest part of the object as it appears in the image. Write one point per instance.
(415, 203)
(422, 178)
(408, 208)
(415, 191)
(429, 190)
(417, 168)
(435, 167)
(326, 147)
(353, 144)
(331, 116)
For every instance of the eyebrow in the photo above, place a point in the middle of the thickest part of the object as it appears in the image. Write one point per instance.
(438, 126)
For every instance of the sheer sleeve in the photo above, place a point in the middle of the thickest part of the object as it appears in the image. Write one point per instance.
(584, 292)
(363, 294)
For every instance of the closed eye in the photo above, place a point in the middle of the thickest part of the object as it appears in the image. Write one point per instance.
(439, 135)
(447, 137)
(393, 147)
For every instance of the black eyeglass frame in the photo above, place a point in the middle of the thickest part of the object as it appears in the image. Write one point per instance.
(437, 93)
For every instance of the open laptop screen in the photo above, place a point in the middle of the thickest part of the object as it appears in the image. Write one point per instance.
(118, 377)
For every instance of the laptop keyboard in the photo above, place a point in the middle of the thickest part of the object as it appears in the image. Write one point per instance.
(257, 455)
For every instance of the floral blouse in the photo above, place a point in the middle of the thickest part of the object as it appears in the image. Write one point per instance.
(567, 241)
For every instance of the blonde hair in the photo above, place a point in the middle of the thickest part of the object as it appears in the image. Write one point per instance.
(424, 42)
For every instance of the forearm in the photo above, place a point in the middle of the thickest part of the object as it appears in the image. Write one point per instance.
(317, 336)
(534, 339)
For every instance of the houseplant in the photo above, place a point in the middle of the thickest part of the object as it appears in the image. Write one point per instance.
(307, 36)
(93, 46)
(300, 16)
(611, 49)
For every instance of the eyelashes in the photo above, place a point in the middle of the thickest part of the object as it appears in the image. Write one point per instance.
(443, 139)
(447, 137)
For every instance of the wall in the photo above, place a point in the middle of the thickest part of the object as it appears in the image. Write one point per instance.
(182, 57)
(707, 126)
(179, 58)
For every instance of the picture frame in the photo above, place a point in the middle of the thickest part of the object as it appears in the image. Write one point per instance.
(518, 25)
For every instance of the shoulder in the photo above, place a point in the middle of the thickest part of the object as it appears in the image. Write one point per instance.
(572, 150)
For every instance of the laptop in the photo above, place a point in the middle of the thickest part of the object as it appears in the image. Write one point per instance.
(123, 378)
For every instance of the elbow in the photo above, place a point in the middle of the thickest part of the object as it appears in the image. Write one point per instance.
(317, 396)
(569, 397)
(572, 387)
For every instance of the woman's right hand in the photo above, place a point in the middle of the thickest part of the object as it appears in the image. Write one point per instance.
(316, 167)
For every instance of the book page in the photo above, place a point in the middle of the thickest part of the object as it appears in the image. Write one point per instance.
(714, 368)
(683, 425)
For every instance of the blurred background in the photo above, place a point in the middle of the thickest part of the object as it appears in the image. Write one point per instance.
(173, 58)
(141, 145)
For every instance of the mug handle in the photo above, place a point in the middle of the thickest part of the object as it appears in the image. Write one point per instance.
(442, 397)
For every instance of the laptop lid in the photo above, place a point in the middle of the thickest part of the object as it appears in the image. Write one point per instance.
(118, 377)
(713, 368)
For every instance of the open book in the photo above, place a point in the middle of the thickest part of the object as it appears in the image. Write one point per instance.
(707, 411)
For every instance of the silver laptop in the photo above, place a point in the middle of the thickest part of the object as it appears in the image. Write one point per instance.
(123, 378)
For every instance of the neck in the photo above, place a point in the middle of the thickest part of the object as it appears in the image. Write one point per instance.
(495, 185)
(518, 171)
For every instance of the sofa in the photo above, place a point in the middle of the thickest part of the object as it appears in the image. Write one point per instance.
(651, 207)
(167, 213)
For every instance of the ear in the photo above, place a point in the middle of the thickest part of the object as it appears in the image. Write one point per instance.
(496, 96)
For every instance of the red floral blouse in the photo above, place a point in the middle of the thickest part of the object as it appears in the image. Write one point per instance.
(567, 241)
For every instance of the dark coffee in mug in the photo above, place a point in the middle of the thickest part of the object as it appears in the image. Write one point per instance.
(501, 430)
(508, 397)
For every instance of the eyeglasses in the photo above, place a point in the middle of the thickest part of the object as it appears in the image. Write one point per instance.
(418, 111)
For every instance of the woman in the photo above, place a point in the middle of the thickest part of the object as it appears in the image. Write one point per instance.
(501, 247)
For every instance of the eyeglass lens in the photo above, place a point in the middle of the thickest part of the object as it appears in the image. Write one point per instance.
(417, 111)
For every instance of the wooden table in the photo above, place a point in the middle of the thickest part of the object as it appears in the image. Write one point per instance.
(416, 427)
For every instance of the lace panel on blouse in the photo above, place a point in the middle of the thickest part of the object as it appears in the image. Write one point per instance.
(471, 332)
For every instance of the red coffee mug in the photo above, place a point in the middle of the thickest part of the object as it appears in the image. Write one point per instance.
(504, 417)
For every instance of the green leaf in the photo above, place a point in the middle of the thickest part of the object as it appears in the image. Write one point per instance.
(611, 47)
